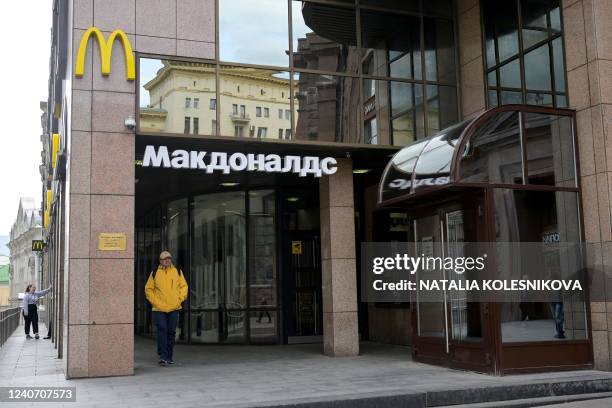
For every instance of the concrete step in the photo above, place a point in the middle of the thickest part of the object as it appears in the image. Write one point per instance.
(554, 391)
(540, 402)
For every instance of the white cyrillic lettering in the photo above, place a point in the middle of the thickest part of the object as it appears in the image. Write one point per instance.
(218, 161)
(153, 159)
(180, 159)
(238, 162)
(292, 164)
(256, 164)
(196, 160)
(273, 163)
(325, 165)
(310, 165)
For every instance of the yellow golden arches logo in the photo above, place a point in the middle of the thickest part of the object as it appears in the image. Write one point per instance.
(106, 50)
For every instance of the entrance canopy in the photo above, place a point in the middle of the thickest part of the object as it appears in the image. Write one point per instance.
(508, 145)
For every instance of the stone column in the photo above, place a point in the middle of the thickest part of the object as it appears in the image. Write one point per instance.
(588, 50)
(471, 80)
(339, 270)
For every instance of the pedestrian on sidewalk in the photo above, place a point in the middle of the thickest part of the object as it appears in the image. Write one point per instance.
(30, 310)
(166, 290)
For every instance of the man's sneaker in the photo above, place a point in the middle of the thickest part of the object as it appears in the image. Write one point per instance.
(162, 362)
(171, 362)
(36, 336)
(28, 336)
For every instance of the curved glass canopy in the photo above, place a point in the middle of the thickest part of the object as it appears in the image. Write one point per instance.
(508, 145)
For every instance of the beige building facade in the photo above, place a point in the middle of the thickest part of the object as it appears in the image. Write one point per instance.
(273, 256)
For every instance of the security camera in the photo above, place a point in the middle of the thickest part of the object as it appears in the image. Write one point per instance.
(130, 123)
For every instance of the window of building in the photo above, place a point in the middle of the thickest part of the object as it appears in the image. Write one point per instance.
(280, 133)
(524, 53)
(188, 102)
(373, 43)
(258, 111)
(288, 134)
(196, 126)
(239, 131)
(187, 129)
(235, 109)
(196, 103)
(242, 111)
(262, 132)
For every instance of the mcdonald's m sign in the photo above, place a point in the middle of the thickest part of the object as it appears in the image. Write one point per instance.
(106, 50)
(38, 245)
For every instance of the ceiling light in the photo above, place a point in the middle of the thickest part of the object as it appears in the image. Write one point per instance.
(361, 171)
(229, 184)
(293, 199)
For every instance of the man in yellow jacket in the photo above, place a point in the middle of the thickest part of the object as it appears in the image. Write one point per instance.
(166, 290)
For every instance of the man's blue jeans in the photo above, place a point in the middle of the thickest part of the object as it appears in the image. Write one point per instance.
(166, 332)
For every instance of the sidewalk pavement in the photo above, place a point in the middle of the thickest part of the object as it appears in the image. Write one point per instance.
(299, 375)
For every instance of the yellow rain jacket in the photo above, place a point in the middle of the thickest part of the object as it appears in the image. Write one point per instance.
(167, 290)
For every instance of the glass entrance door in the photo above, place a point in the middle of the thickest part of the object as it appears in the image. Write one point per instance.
(233, 295)
(305, 314)
(449, 328)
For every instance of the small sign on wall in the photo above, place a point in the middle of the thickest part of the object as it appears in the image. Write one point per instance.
(296, 247)
(112, 241)
(38, 245)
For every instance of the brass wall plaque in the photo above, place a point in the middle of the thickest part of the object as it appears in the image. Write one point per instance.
(112, 241)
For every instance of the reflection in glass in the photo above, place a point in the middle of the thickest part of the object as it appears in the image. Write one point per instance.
(430, 314)
(537, 69)
(551, 219)
(248, 95)
(327, 108)
(542, 63)
(262, 244)
(254, 32)
(509, 97)
(493, 98)
(204, 327)
(539, 99)
(494, 152)
(177, 239)
(219, 251)
(559, 64)
(324, 37)
(402, 5)
(439, 50)
(510, 75)
(441, 107)
(391, 45)
(234, 326)
(550, 150)
(501, 28)
(263, 326)
(167, 89)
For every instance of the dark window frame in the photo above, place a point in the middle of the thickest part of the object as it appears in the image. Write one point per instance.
(495, 92)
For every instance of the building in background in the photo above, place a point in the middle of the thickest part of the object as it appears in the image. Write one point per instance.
(4, 285)
(25, 264)
(182, 99)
